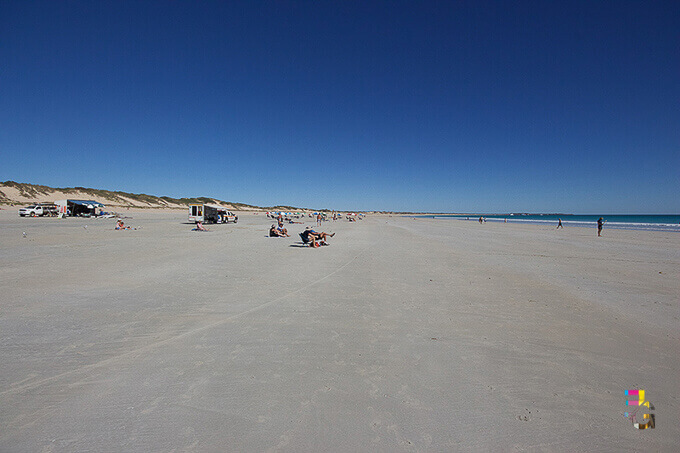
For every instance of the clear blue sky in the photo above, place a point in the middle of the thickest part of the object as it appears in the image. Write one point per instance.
(436, 106)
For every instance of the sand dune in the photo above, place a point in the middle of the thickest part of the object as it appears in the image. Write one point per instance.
(22, 194)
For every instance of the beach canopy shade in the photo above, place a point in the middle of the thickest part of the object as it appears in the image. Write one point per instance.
(87, 203)
(218, 207)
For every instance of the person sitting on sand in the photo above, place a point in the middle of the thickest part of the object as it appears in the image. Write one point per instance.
(120, 225)
(283, 231)
(274, 232)
(311, 236)
(278, 231)
(200, 227)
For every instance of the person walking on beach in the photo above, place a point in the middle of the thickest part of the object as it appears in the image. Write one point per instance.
(600, 224)
(559, 224)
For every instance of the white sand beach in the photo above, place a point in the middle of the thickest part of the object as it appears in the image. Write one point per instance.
(403, 335)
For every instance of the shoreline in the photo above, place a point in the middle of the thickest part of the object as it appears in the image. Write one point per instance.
(636, 226)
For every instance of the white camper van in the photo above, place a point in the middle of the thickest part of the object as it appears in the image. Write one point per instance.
(210, 213)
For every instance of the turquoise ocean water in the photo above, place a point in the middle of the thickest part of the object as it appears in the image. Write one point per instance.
(616, 221)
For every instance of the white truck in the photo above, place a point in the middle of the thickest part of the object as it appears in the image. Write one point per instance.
(38, 210)
(210, 213)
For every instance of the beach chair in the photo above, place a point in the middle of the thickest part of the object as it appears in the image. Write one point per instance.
(302, 236)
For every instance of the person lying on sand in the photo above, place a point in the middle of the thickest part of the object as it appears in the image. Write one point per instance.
(311, 236)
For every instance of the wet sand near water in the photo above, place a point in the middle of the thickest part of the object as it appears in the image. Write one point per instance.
(402, 335)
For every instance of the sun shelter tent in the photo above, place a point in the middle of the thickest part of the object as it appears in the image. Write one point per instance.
(83, 208)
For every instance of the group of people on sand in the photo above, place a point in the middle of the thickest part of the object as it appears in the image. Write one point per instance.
(278, 231)
(309, 236)
(280, 218)
(600, 225)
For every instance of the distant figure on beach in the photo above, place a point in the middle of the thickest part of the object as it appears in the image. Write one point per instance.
(559, 224)
(481, 219)
(600, 224)
(200, 227)
(318, 220)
